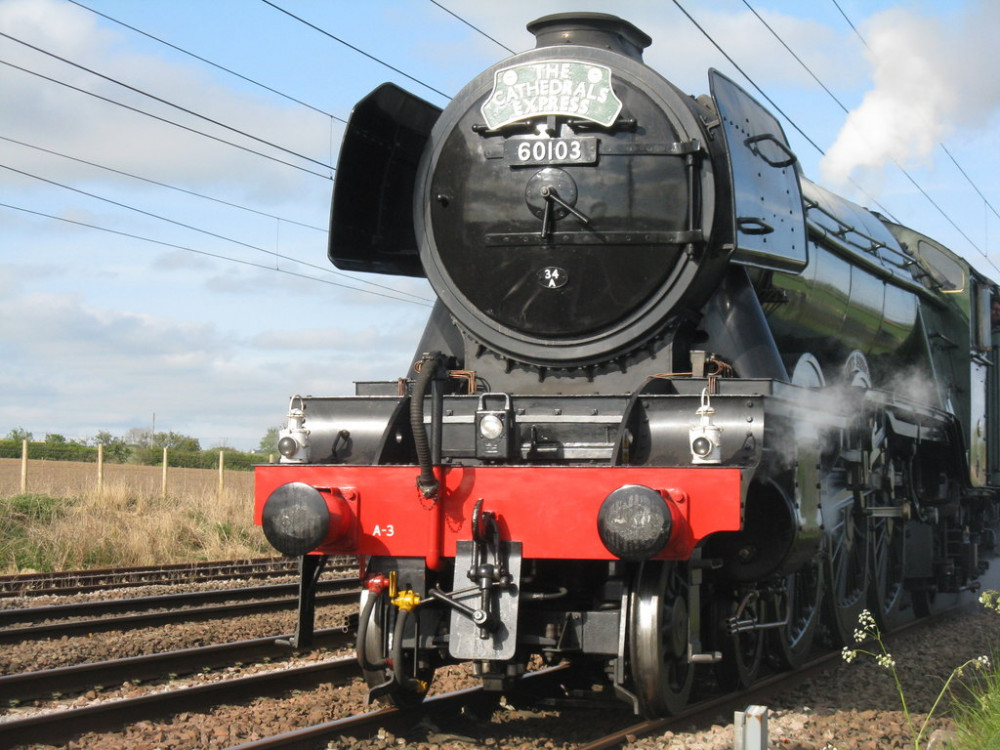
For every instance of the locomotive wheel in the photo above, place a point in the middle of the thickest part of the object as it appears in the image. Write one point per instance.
(377, 664)
(742, 653)
(886, 591)
(800, 601)
(847, 570)
(658, 639)
(923, 599)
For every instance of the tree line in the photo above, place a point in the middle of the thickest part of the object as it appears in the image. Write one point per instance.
(137, 446)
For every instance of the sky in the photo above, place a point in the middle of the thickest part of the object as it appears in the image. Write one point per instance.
(166, 171)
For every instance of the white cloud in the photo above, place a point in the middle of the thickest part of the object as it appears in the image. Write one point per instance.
(932, 75)
(339, 340)
(37, 111)
(76, 368)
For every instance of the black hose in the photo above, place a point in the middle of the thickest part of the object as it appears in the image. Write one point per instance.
(363, 621)
(398, 665)
(427, 483)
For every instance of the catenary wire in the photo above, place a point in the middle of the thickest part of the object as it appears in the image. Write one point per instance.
(205, 60)
(167, 102)
(356, 49)
(210, 233)
(166, 185)
(273, 253)
(944, 148)
(166, 121)
(207, 253)
(470, 25)
(900, 167)
(763, 93)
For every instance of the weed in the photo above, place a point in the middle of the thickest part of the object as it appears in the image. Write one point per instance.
(125, 526)
(867, 631)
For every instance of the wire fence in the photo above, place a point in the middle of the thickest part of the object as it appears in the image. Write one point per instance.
(61, 478)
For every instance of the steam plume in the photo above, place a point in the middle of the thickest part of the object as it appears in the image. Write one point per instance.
(932, 76)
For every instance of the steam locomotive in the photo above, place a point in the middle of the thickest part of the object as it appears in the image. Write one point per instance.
(675, 405)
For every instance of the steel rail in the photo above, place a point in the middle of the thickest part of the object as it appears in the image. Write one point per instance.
(57, 727)
(85, 581)
(395, 719)
(149, 619)
(30, 583)
(81, 677)
(706, 712)
(163, 601)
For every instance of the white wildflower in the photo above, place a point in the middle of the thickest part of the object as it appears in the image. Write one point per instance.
(885, 661)
(865, 619)
(990, 599)
(848, 654)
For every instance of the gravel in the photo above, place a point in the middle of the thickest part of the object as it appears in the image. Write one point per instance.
(850, 706)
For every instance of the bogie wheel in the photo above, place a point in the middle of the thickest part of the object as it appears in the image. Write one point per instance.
(375, 653)
(799, 602)
(923, 597)
(847, 572)
(742, 652)
(886, 590)
(658, 639)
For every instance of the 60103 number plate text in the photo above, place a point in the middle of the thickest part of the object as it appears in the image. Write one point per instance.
(543, 151)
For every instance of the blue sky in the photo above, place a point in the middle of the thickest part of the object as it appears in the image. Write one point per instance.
(121, 299)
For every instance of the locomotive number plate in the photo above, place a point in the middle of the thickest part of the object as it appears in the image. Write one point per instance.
(546, 151)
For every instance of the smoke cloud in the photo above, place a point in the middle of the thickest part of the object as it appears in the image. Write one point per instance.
(932, 76)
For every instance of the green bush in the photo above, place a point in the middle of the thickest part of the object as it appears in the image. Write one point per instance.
(50, 451)
(118, 452)
(207, 459)
(18, 515)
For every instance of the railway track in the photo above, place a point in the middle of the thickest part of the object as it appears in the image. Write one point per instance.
(56, 727)
(86, 581)
(701, 713)
(438, 707)
(103, 616)
(82, 677)
(446, 709)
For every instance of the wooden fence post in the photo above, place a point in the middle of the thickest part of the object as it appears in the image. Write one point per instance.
(24, 467)
(100, 468)
(164, 482)
(222, 482)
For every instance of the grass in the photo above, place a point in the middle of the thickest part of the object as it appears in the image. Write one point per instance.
(977, 716)
(977, 713)
(126, 526)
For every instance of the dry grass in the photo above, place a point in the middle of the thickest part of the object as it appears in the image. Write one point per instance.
(65, 523)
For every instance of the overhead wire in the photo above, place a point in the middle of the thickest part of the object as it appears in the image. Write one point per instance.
(273, 253)
(472, 26)
(229, 71)
(846, 110)
(360, 51)
(165, 120)
(211, 63)
(328, 270)
(764, 94)
(166, 185)
(240, 261)
(161, 100)
(944, 148)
